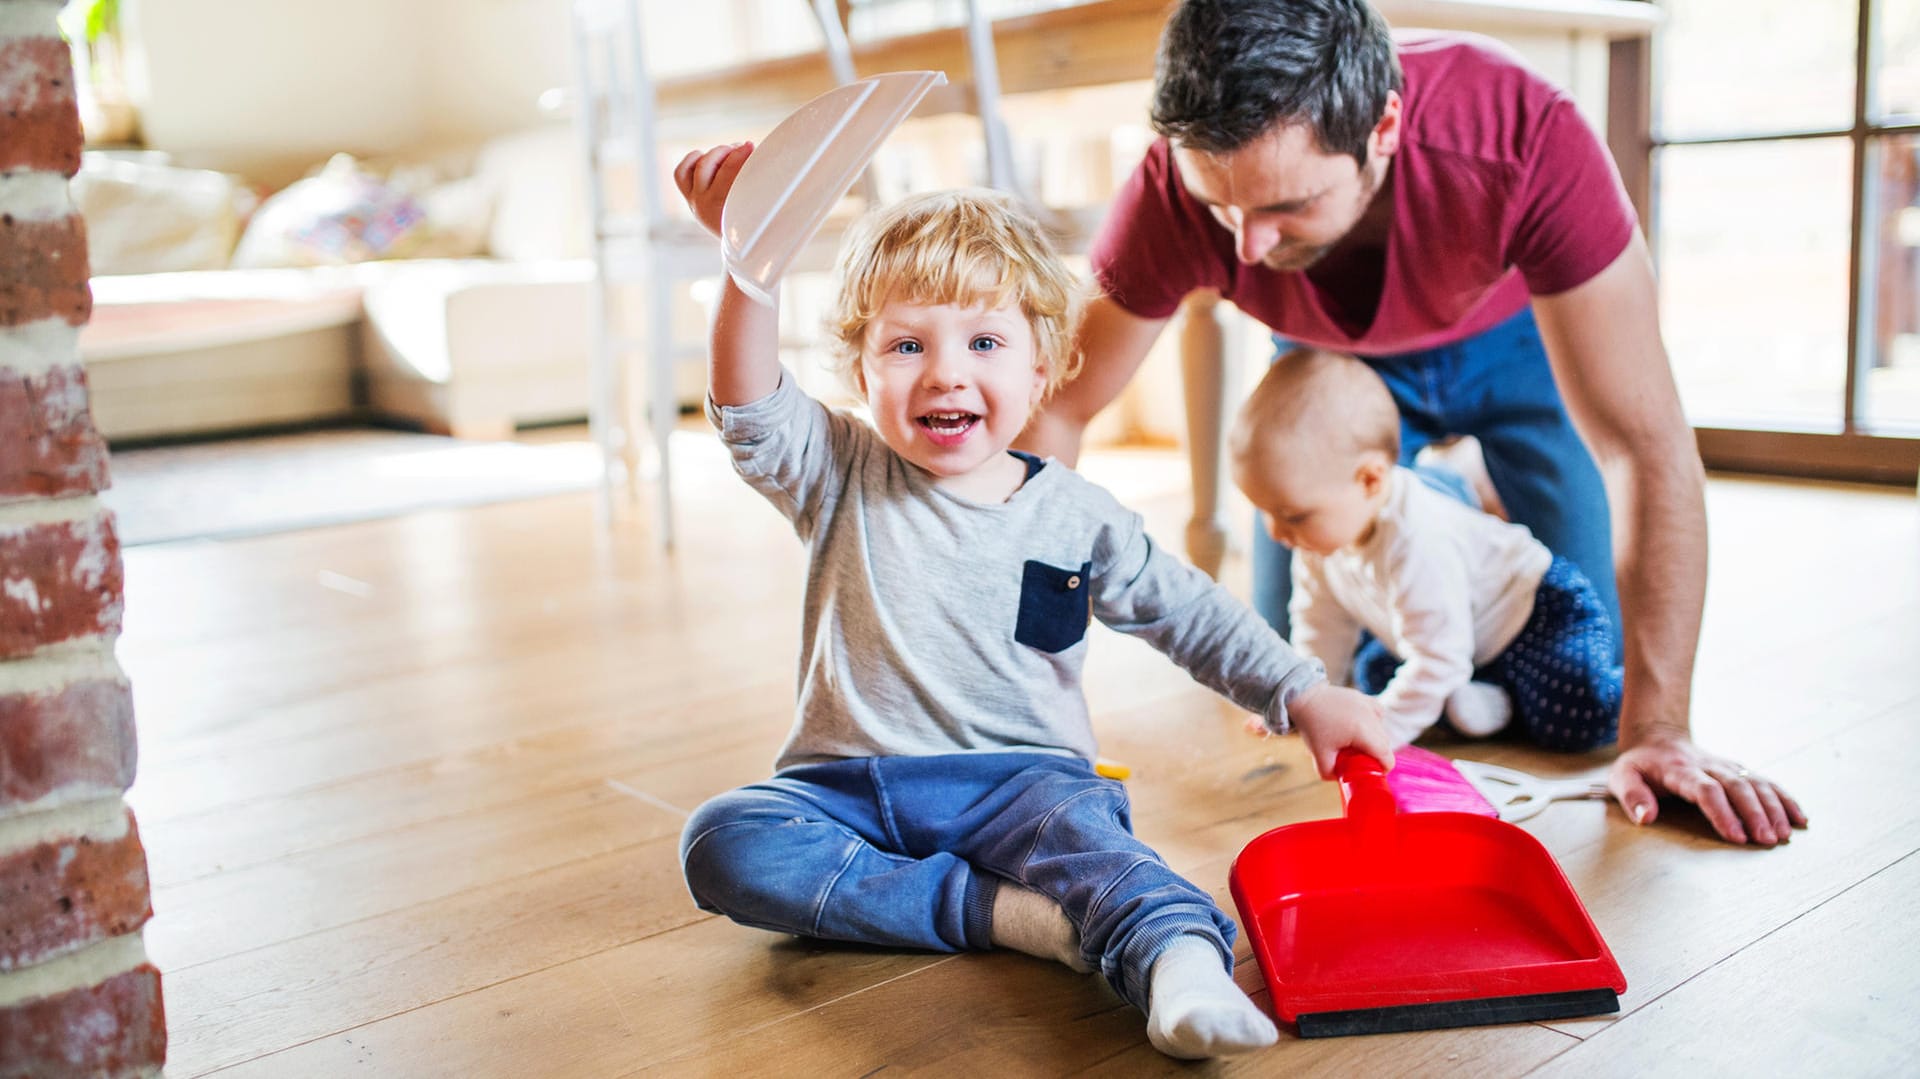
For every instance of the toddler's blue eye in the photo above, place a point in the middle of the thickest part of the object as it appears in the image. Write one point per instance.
(908, 347)
(983, 344)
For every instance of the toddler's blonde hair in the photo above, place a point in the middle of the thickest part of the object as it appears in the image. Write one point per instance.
(964, 248)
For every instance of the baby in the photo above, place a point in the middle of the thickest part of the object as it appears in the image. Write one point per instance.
(937, 789)
(1479, 621)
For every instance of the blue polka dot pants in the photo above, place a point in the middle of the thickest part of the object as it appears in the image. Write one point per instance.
(1560, 670)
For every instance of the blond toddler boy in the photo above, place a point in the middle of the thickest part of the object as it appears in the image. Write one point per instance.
(937, 789)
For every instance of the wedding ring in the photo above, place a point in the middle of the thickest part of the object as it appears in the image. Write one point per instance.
(1742, 774)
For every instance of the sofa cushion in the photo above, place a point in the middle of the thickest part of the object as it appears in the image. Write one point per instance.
(144, 216)
(341, 215)
(539, 195)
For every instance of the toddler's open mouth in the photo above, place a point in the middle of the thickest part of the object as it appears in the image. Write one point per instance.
(948, 425)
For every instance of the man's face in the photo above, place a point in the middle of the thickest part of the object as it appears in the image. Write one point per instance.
(1286, 201)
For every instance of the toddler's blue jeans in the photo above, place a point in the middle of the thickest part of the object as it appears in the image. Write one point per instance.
(909, 852)
(1498, 387)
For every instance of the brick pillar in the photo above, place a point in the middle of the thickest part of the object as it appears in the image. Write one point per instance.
(77, 994)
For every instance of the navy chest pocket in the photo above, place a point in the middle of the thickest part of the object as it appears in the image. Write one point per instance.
(1054, 606)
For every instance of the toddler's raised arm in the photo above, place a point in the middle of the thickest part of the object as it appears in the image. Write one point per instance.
(743, 365)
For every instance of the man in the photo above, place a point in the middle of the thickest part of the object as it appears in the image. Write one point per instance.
(1443, 213)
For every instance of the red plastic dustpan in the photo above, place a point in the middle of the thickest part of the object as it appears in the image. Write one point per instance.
(1382, 921)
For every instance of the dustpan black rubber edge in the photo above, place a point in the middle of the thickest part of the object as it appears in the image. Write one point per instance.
(1443, 1014)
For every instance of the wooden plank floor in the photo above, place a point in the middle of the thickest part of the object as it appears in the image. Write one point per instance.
(412, 789)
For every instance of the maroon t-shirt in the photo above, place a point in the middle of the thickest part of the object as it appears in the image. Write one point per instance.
(1500, 190)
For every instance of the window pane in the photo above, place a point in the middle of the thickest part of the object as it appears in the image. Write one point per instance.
(1747, 66)
(1891, 366)
(1753, 255)
(1897, 44)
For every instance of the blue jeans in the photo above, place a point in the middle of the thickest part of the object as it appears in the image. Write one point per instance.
(909, 852)
(1498, 387)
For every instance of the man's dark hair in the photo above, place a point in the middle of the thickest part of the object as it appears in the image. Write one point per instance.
(1229, 70)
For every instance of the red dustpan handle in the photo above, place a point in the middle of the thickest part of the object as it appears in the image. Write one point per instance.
(1363, 787)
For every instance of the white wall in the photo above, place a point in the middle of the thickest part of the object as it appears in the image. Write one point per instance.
(269, 88)
(262, 86)
(488, 63)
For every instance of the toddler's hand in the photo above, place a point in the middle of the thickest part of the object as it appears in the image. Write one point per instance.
(704, 178)
(1332, 718)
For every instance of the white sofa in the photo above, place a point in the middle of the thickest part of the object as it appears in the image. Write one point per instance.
(467, 346)
(471, 347)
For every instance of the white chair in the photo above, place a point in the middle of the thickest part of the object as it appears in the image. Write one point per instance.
(637, 242)
(634, 241)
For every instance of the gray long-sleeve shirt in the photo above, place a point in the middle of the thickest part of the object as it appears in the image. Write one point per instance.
(934, 624)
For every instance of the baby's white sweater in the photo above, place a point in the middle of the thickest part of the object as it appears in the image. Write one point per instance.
(1445, 587)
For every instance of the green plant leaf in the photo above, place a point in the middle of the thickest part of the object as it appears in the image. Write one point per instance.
(103, 18)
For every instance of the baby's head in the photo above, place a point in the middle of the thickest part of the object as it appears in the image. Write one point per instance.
(1313, 448)
(955, 319)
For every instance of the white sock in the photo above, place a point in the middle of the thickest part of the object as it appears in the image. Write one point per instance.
(1194, 1011)
(1027, 921)
(1478, 709)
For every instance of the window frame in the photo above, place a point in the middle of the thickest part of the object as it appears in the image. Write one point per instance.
(1851, 453)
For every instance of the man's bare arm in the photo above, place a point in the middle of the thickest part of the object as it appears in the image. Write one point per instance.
(1112, 343)
(1612, 370)
(1603, 338)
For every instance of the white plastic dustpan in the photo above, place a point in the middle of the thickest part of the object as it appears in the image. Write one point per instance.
(1517, 796)
(796, 174)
